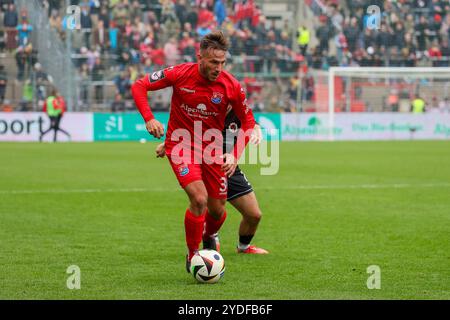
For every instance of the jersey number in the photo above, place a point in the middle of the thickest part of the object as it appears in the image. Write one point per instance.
(223, 184)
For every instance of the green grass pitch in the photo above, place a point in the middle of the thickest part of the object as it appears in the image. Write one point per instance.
(333, 210)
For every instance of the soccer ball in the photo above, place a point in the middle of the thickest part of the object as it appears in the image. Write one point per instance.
(207, 266)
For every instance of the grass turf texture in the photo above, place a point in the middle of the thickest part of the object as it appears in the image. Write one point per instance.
(130, 244)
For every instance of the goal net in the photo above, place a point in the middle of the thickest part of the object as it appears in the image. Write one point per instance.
(386, 90)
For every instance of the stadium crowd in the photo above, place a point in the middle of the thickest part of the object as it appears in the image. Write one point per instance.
(120, 40)
(409, 33)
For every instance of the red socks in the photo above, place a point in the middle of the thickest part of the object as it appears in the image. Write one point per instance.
(193, 226)
(212, 225)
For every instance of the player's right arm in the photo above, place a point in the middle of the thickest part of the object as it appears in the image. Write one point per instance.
(151, 82)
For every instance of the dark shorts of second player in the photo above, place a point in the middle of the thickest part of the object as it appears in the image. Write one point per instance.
(238, 185)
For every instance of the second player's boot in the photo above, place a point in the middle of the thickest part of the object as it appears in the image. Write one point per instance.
(252, 250)
(211, 242)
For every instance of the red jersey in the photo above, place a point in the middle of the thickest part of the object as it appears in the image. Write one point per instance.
(195, 98)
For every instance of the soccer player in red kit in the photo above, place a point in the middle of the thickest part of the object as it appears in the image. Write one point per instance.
(201, 94)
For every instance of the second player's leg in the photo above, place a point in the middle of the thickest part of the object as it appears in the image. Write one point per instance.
(248, 206)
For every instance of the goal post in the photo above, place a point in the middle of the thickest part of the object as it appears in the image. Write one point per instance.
(384, 89)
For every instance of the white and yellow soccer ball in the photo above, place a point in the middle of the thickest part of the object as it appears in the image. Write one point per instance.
(207, 266)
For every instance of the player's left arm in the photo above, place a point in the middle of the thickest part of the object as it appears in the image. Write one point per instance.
(256, 136)
(245, 115)
(239, 104)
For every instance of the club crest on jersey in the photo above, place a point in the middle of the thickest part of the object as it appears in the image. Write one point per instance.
(183, 170)
(217, 98)
(157, 75)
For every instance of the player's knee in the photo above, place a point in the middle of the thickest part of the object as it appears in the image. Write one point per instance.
(254, 217)
(199, 202)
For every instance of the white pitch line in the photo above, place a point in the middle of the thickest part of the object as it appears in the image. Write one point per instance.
(363, 186)
(299, 187)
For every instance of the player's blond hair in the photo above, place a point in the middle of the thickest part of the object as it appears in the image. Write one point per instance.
(214, 40)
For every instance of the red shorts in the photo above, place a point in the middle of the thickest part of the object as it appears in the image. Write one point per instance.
(211, 174)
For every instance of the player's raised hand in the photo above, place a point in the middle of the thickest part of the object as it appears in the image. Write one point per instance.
(155, 128)
(161, 150)
(256, 136)
(229, 164)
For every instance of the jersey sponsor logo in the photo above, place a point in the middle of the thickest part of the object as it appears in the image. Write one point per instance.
(201, 107)
(200, 111)
(217, 98)
(183, 170)
(187, 90)
(157, 75)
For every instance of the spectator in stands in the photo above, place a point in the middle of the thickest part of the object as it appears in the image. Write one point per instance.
(220, 12)
(418, 105)
(303, 38)
(55, 21)
(127, 77)
(120, 15)
(86, 23)
(434, 28)
(118, 104)
(352, 33)
(171, 52)
(435, 53)
(192, 17)
(3, 83)
(444, 105)
(421, 33)
(41, 81)
(341, 46)
(181, 11)
(104, 16)
(257, 104)
(84, 80)
(11, 18)
(445, 53)
(307, 87)
(25, 59)
(203, 29)
(27, 96)
(434, 106)
(292, 92)
(393, 101)
(98, 76)
(10, 22)
(100, 36)
(113, 37)
(189, 51)
(135, 10)
(24, 31)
